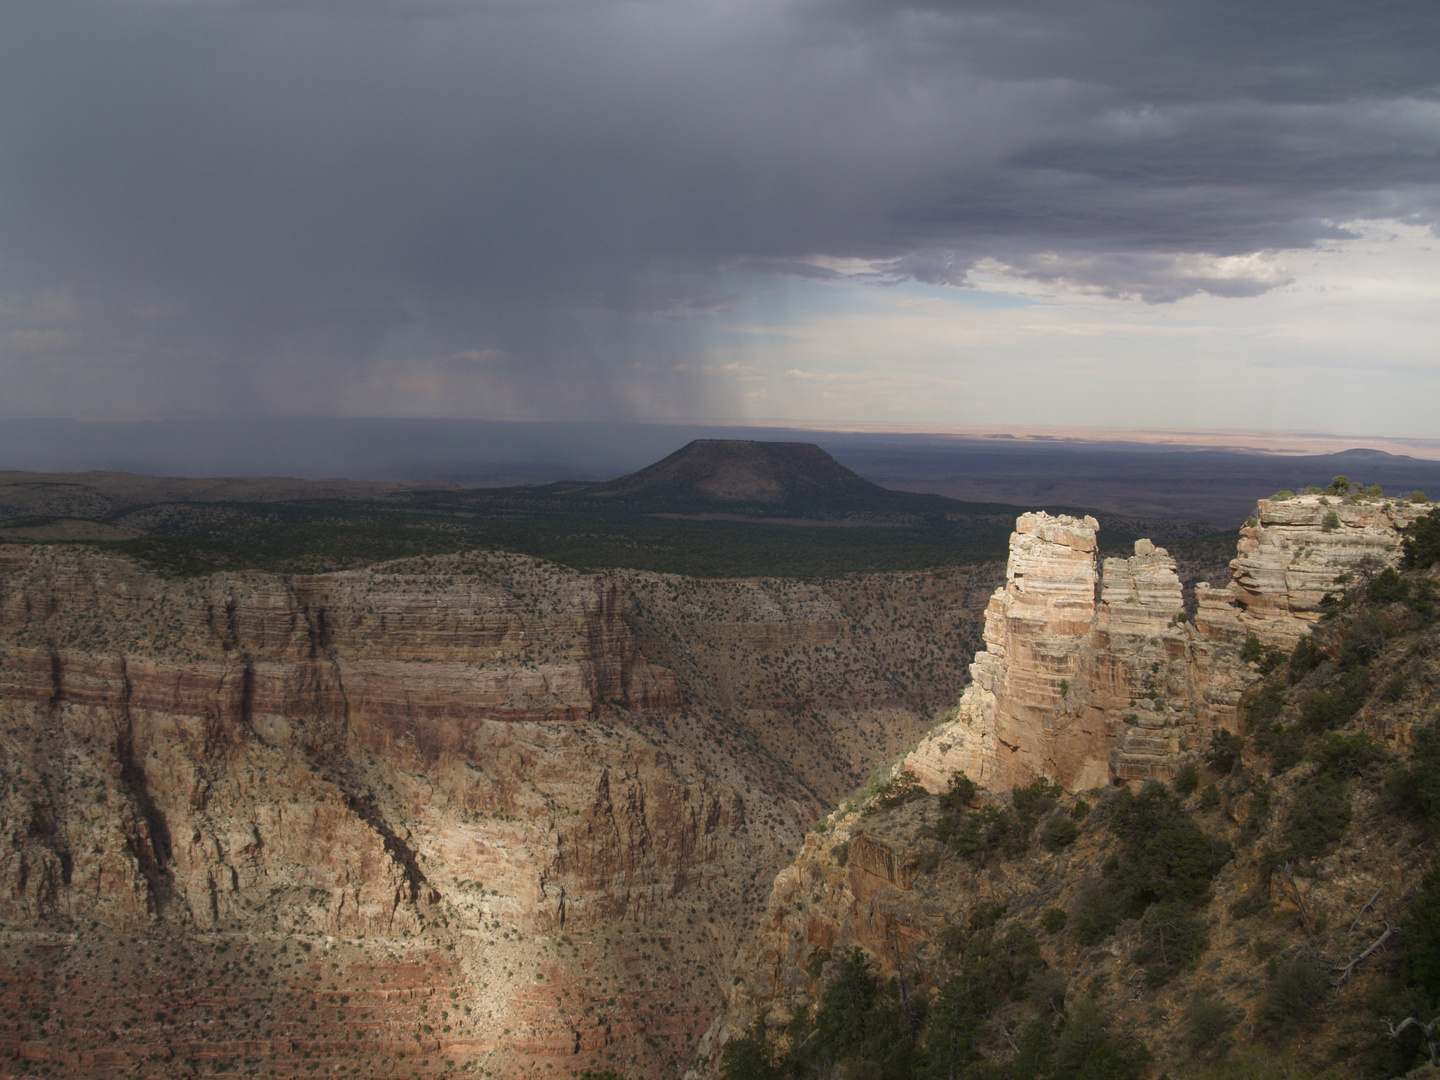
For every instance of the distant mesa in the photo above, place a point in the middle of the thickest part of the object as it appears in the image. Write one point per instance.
(743, 476)
(1363, 454)
(799, 483)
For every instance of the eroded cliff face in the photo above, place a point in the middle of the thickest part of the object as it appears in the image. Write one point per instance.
(473, 810)
(1292, 554)
(1090, 678)
(1093, 674)
(1088, 673)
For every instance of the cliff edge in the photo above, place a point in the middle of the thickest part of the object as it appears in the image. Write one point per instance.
(1270, 910)
(1094, 672)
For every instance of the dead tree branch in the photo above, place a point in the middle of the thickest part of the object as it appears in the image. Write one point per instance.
(1006, 1032)
(1350, 967)
(1428, 1029)
(1366, 908)
(1287, 878)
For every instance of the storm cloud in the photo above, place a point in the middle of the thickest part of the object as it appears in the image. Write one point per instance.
(537, 208)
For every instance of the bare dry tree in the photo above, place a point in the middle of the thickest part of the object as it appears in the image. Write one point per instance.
(1429, 1030)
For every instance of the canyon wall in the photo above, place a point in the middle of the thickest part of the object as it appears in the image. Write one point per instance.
(1293, 552)
(1093, 673)
(474, 810)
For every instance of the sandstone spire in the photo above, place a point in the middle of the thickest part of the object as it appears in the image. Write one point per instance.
(1089, 689)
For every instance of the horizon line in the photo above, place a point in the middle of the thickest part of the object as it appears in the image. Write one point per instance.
(1276, 441)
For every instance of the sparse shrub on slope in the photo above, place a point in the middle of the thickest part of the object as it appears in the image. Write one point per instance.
(1420, 967)
(1170, 857)
(1046, 991)
(982, 834)
(1208, 1024)
(1100, 912)
(1086, 1051)
(1424, 599)
(1296, 987)
(1388, 587)
(1347, 756)
(1305, 657)
(1251, 652)
(1060, 834)
(1225, 749)
(900, 790)
(1319, 817)
(954, 1032)
(858, 1023)
(1257, 815)
(1267, 659)
(990, 972)
(1421, 542)
(1324, 710)
(1173, 937)
(862, 1022)
(1167, 859)
(1034, 1052)
(990, 832)
(1415, 789)
(753, 1057)
(1187, 780)
(961, 793)
(880, 1030)
(1260, 707)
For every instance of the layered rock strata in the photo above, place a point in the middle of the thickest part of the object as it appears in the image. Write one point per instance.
(1080, 671)
(473, 810)
(1092, 677)
(1096, 688)
(1292, 553)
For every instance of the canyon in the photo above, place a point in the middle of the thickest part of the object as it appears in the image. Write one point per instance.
(468, 812)
(480, 813)
(1097, 675)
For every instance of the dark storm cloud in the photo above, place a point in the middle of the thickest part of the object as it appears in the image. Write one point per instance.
(522, 208)
(1283, 51)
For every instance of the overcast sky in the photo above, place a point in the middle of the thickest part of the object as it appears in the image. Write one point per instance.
(1205, 213)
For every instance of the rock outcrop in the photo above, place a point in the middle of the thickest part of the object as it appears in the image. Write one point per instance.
(1038, 637)
(1091, 677)
(1292, 553)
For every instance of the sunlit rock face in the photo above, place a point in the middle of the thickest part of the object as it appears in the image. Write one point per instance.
(1090, 678)
(1038, 629)
(475, 810)
(1072, 654)
(1298, 550)
(422, 789)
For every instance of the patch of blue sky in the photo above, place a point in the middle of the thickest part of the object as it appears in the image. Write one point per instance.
(772, 305)
(965, 297)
